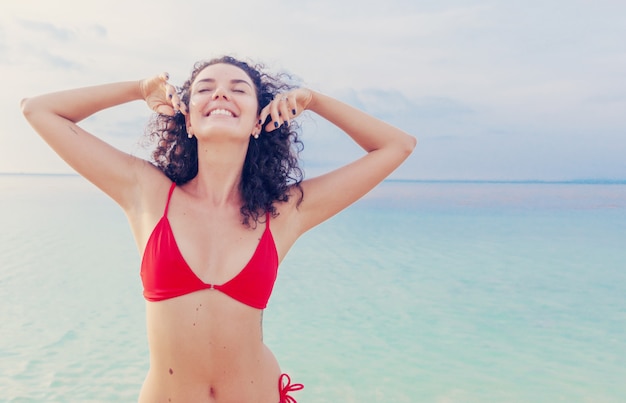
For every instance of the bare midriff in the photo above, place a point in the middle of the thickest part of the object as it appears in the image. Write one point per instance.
(205, 347)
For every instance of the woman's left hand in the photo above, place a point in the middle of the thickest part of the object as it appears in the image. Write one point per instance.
(285, 106)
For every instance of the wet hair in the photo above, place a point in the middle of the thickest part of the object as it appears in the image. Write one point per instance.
(270, 170)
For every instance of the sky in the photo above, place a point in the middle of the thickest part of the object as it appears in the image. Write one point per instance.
(493, 90)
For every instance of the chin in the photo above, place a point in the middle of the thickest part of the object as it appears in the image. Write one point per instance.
(225, 133)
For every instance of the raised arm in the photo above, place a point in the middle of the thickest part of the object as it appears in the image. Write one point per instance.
(386, 146)
(55, 116)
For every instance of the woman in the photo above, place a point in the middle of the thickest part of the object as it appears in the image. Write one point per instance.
(216, 212)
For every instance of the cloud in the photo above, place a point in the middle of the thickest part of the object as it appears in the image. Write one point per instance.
(99, 30)
(39, 45)
(391, 103)
(421, 116)
(41, 58)
(49, 30)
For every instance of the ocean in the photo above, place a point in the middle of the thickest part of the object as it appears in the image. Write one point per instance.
(421, 292)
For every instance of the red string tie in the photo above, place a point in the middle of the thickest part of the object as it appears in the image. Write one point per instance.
(285, 388)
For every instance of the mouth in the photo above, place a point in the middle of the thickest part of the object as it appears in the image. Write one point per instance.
(221, 112)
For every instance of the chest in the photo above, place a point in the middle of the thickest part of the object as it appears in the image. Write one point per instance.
(215, 246)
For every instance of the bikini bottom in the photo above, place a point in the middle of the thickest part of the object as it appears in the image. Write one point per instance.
(285, 386)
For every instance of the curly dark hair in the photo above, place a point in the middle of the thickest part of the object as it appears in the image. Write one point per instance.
(270, 168)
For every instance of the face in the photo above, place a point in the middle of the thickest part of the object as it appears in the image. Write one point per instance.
(222, 102)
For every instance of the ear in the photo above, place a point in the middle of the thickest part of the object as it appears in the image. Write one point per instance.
(188, 125)
(256, 130)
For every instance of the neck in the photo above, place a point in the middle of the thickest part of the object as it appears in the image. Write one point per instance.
(219, 173)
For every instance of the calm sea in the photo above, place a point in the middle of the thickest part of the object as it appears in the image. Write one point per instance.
(421, 292)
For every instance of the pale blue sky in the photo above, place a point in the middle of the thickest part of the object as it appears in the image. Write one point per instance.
(492, 89)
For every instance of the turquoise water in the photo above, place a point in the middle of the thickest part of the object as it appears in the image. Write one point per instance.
(422, 292)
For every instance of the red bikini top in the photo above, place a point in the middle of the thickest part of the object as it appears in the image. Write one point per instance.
(165, 274)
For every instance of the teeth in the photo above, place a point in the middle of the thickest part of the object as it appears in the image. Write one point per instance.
(223, 112)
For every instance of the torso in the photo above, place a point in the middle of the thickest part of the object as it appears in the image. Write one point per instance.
(206, 346)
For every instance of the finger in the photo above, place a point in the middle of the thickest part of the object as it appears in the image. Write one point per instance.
(292, 105)
(180, 106)
(263, 115)
(275, 121)
(165, 109)
(173, 98)
(150, 85)
(170, 92)
(283, 108)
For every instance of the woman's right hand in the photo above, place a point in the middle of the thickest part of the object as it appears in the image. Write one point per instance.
(161, 96)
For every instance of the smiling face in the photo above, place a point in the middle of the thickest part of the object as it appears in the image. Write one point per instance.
(223, 102)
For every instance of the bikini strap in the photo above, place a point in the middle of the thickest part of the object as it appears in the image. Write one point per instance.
(267, 220)
(169, 197)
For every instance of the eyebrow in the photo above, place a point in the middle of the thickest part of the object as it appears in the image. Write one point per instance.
(233, 81)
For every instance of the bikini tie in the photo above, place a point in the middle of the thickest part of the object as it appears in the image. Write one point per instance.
(284, 389)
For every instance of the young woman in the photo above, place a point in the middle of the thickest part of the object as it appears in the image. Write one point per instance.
(216, 211)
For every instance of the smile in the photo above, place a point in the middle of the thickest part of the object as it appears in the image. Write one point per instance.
(221, 112)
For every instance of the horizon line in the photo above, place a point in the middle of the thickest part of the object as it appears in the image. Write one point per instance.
(587, 181)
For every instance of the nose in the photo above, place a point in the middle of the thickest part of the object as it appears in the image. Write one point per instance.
(219, 92)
